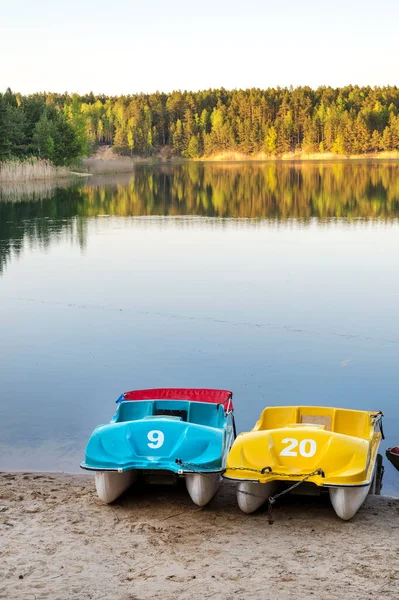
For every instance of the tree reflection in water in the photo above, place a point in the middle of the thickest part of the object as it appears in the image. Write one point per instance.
(36, 213)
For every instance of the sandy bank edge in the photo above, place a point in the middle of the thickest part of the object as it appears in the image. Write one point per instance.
(58, 541)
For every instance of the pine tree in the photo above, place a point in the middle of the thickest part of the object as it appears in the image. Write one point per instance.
(361, 136)
(67, 147)
(338, 146)
(193, 148)
(394, 131)
(375, 141)
(178, 137)
(43, 137)
(309, 143)
(270, 144)
(77, 119)
(204, 121)
(385, 142)
(4, 131)
(131, 134)
(16, 130)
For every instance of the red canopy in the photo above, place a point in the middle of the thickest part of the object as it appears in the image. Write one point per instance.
(195, 394)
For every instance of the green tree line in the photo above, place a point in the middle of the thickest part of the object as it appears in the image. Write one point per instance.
(36, 126)
(275, 121)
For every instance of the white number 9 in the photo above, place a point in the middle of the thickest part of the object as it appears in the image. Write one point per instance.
(156, 438)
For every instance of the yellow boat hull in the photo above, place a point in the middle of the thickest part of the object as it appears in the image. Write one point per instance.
(331, 448)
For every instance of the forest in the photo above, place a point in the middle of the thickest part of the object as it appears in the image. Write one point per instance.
(63, 128)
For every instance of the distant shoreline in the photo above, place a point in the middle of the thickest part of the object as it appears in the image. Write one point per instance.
(298, 157)
(274, 124)
(120, 164)
(114, 164)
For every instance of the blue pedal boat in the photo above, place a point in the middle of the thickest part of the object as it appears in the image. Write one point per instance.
(163, 434)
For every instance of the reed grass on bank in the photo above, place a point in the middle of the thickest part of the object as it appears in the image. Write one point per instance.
(29, 169)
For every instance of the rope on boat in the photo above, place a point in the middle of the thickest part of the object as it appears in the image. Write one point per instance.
(260, 471)
(377, 418)
(272, 499)
(270, 471)
(192, 467)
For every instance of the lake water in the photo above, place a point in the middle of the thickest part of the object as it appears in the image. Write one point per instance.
(279, 282)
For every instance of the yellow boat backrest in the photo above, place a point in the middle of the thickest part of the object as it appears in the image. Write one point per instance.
(340, 420)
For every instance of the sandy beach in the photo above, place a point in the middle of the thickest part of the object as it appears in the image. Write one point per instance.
(59, 542)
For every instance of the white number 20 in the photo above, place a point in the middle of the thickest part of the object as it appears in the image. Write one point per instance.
(307, 448)
(156, 438)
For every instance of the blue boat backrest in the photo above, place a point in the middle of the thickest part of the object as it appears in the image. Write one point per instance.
(201, 413)
(167, 412)
(206, 414)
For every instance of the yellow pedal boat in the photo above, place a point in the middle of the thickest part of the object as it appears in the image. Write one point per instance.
(333, 448)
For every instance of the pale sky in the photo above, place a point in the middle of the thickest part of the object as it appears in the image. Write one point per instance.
(128, 46)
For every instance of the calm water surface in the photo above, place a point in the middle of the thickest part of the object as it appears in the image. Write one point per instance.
(279, 282)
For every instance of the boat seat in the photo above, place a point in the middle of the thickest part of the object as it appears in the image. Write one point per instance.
(165, 412)
(317, 420)
(304, 424)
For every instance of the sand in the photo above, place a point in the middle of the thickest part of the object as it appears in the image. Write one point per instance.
(58, 541)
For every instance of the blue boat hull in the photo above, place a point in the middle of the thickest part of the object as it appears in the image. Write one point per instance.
(187, 439)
